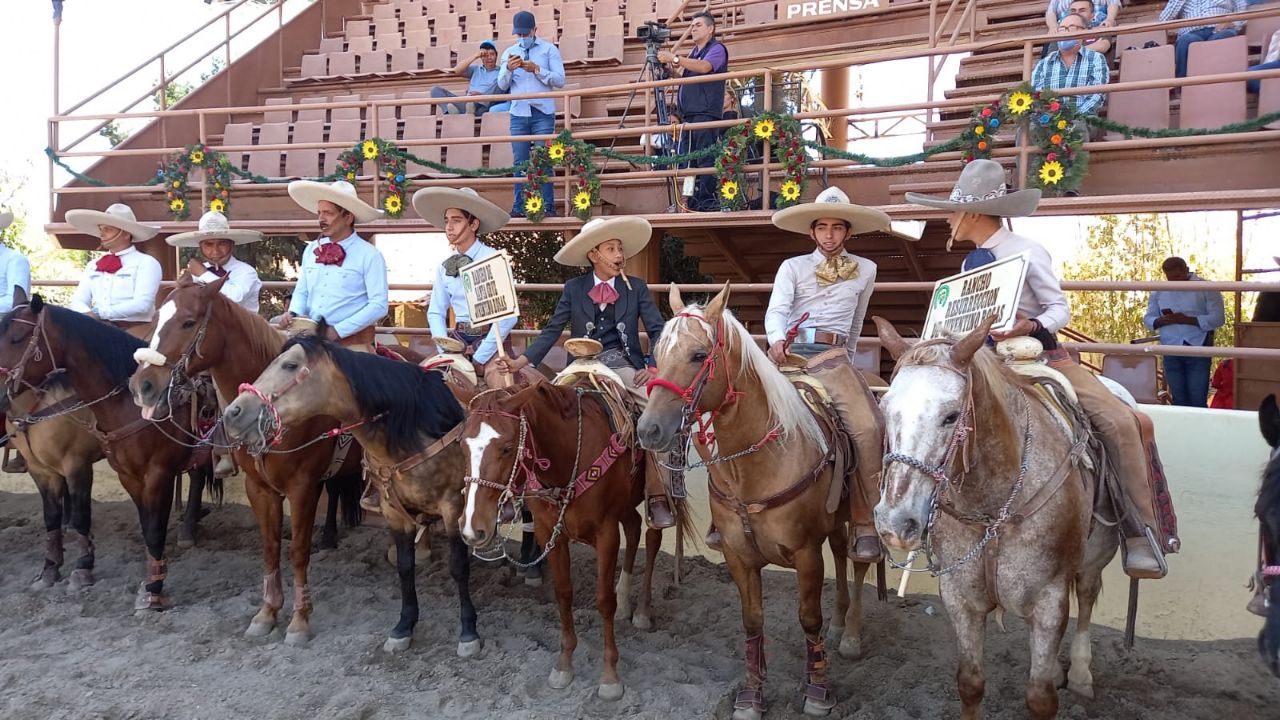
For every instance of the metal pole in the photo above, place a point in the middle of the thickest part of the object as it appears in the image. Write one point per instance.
(1131, 618)
(57, 109)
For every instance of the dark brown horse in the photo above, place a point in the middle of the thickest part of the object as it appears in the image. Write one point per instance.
(406, 420)
(1268, 511)
(554, 449)
(41, 340)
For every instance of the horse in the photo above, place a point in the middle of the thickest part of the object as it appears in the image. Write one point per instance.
(518, 441)
(406, 420)
(770, 476)
(1267, 510)
(984, 471)
(42, 340)
(200, 330)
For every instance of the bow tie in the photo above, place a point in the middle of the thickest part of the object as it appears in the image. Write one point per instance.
(330, 253)
(835, 269)
(455, 263)
(218, 270)
(977, 258)
(603, 294)
(109, 263)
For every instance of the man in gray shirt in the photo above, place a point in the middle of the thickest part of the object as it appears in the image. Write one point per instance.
(482, 70)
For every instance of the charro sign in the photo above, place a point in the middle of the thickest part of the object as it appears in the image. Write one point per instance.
(788, 9)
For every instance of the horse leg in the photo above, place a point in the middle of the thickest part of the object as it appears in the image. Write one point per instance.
(344, 490)
(402, 634)
(970, 627)
(52, 492)
(529, 550)
(469, 642)
(1048, 622)
(631, 531)
(191, 515)
(749, 702)
(643, 617)
(818, 698)
(1079, 678)
(153, 512)
(79, 494)
(611, 687)
(562, 673)
(302, 507)
(838, 541)
(851, 643)
(267, 508)
(329, 533)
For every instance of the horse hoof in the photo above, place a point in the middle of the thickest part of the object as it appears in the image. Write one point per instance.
(186, 539)
(80, 579)
(610, 691)
(813, 708)
(326, 544)
(835, 632)
(641, 621)
(747, 714)
(1084, 691)
(147, 602)
(395, 645)
(45, 580)
(560, 679)
(850, 648)
(258, 630)
(298, 638)
(470, 648)
(533, 581)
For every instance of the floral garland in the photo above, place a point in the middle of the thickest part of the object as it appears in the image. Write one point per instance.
(391, 166)
(783, 131)
(1055, 127)
(576, 157)
(217, 172)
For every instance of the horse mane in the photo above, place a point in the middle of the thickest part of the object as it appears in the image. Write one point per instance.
(988, 371)
(415, 402)
(251, 331)
(112, 347)
(786, 408)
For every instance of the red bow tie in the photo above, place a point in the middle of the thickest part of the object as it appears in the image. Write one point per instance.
(109, 263)
(603, 293)
(330, 253)
(218, 270)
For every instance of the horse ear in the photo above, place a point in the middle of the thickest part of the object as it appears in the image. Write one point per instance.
(1269, 420)
(322, 328)
(185, 280)
(716, 307)
(965, 348)
(19, 296)
(889, 337)
(215, 287)
(37, 303)
(673, 297)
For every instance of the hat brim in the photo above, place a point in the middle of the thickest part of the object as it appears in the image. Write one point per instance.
(800, 218)
(1014, 204)
(193, 239)
(634, 233)
(431, 204)
(309, 193)
(87, 222)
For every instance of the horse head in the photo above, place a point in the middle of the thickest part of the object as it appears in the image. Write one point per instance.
(178, 347)
(26, 352)
(1268, 512)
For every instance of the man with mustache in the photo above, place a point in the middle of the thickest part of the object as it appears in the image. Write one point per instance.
(120, 287)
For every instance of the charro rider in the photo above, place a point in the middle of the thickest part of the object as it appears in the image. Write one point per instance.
(120, 287)
(977, 204)
(343, 277)
(608, 306)
(15, 272)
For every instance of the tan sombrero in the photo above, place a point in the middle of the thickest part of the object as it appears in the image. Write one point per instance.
(431, 204)
(634, 232)
(214, 226)
(6, 219)
(831, 203)
(981, 189)
(118, 215)
(309, 193)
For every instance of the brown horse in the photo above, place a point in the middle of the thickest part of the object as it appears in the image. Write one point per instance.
(406, 420)
(770, 479)
(518, 443)
(984, 472)
(200, 330)
(41, 340)
(1267, 510)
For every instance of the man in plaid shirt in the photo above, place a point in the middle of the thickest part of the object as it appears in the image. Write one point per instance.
(1072, 66)
(1192, 9)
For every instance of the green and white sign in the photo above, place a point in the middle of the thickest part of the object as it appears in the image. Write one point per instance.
(961, 302)
(490, 289)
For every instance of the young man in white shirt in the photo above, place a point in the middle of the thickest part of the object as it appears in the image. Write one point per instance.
(121, 286)
(217, 243)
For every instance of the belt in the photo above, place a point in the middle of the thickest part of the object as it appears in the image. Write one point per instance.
(822, 337)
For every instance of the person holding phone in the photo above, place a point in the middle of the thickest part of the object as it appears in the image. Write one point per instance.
(1185, 318)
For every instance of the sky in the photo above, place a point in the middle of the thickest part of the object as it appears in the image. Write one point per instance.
(102, 39)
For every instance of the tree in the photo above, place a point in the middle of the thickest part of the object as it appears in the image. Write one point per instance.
(46, 259)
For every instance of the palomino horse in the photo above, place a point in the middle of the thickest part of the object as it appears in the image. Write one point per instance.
(514, 438)
(41, 340)
(406, 420)
(1268, 511)
(198, 330)
(770, 478)
(984, 472)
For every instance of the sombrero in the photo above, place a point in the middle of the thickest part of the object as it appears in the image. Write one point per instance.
(214, 226)
(981, 189)
(309, 193)
(431, 203)
(118, 215)
(634, 232)
(830, 203)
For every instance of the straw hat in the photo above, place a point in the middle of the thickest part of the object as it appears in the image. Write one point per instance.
(6, 219)
(309, 193)
(981, 189)
(214, 226)
(431, 203)
(634, 232)
(118, 215)
(831, 203)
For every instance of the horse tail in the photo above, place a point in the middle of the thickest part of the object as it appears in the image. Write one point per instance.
(214, 486)
(347, 488)
(684, 519)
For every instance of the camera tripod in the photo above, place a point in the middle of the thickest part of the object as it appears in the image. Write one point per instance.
(652, 71)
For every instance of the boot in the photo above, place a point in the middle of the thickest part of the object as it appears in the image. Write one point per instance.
(15, 464)
(713, 538)
(866, 549)
(658, 512)
(1140, 560)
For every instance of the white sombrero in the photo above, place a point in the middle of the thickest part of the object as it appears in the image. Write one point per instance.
(634, 233)
(214, 226)
(831, 203)
(431, 204)
(981, 189)
(118, 215)
(6, 219)
(309, 193)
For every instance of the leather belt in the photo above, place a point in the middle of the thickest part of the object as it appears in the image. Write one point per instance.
(823, 337)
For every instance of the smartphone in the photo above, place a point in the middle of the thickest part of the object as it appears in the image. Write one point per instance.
(1166, 311)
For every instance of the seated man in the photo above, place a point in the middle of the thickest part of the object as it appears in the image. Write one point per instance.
(1096, 13)
(120, 287)
(1270, 61)
(1073, 66)
(481, 70)
(1193, 9)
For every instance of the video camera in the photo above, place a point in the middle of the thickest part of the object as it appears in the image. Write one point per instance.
(653, 32)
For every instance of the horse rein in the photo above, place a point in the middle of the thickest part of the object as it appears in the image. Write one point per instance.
(179, 371)
(692, 394)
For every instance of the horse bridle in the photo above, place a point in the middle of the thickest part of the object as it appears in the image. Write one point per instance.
(692, 394)
(14, 382)
(273, 430)
(179, 371)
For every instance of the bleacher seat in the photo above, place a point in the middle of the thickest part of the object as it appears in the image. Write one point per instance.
(1211, 106)
(315, 113)
(315, 65)
(417, 23)
(237, 134)
(607, 44)
(573, 43)
(373, 62)
(437, 59)
(277, 116)
(420, 127)
(604, 8)
(342, 64)
(758, 14)
(1137, 373)
(345, 113)
(334, 44)
(1138, 40)
(358, 44)
(267, 162)
(419, 110)
(355, 28)
(305, 162)
(386, 26)
(386, 116)
(384, 11)
(1142, 108)
(458, 154)
(450, 37)
(344, 134)
(497, 124)
(405, 60)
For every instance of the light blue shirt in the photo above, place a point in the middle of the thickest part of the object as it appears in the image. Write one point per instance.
(1205, 307)
(351, 296)
(447, 293)
(15, 271)
(550, 76)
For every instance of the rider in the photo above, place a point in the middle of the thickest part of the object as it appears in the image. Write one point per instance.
(977, 204)
(824, 295)
(343, 278)
(120, 287)
(608, 306)
(217, 243)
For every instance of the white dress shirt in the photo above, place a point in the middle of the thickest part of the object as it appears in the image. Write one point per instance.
(127, 295)
(837, 308)
(351, 296)
(242, 286)
(1042, 297)
(447, 293)
(15, 271)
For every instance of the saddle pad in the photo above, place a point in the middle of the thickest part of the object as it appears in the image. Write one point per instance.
(818, 400)
(452, 362)
(586, 367)
(619, 405)
(1036, 370)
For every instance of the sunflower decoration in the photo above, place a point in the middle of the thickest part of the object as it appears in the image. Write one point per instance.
(351, 176)
(764, 129)
(369, 149)
(582, 200)
(1062, 124)
(393, 205)
(556, 151)
(197, 157)
(177, 205)
(217, 205)
(790, 190)
(177, 183)
(1051, 173)
(1019, 102)
(533, 205)
(729, 189)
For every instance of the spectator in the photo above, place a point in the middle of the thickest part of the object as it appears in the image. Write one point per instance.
(1096, 14)
(1193, 9)
(1073, 66)
(1270, 61)
(1224, 386)
(481, 70)
(700, 102)
(1268, 307)
(530, 66)
(1185, 318)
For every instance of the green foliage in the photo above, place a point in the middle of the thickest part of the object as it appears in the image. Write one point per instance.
(532, 257)
(676, 267)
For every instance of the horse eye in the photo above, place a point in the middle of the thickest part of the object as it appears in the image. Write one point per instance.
(188, 324)
(506, 449)
(290, 366)
(950, 419)
(15, 341)
(698, 357)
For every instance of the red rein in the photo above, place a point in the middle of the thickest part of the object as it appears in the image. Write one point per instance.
(693, 393)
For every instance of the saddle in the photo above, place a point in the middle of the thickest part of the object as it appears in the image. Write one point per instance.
(587, 370)
(456, 367)
(798, 370)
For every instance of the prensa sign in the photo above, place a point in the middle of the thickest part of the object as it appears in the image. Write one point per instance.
(787, 9)
(961, 302)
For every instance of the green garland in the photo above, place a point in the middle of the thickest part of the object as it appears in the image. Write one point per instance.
(217, 172)
(1131, 132)
(390, 164)
(784, 134)
(1053, 125)
(576, 157)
